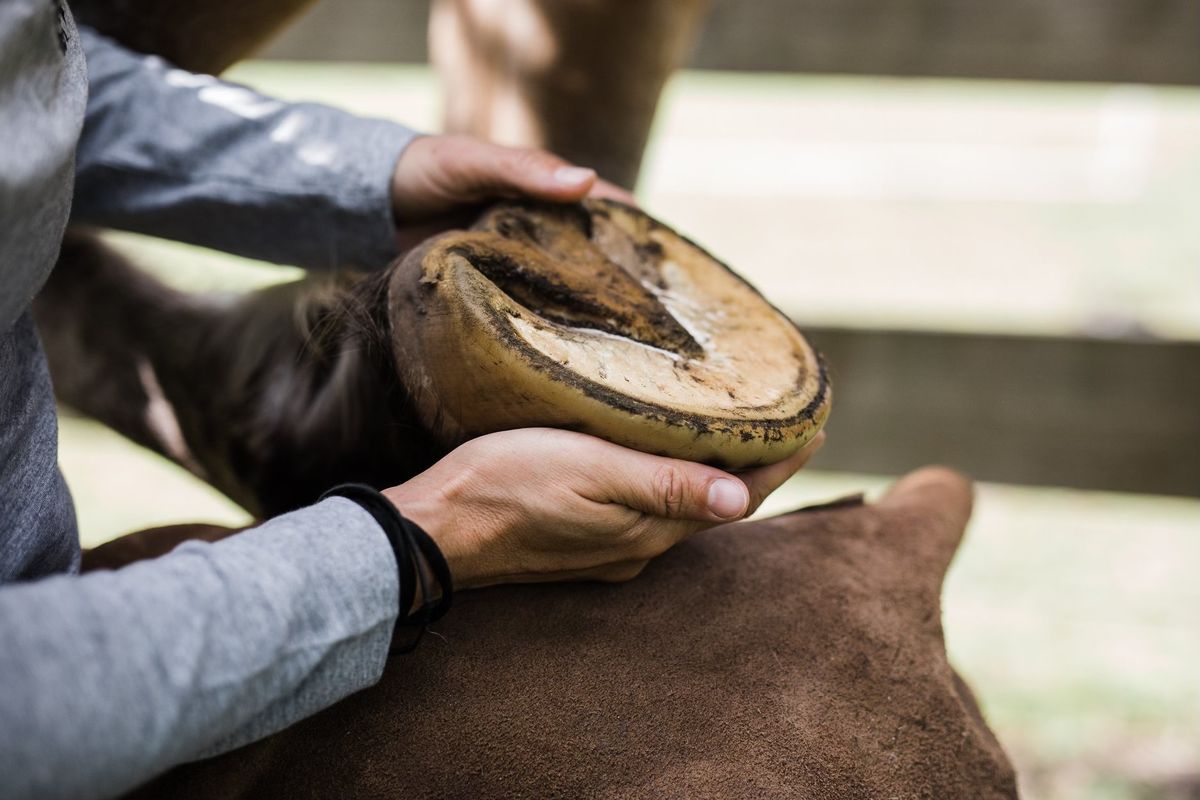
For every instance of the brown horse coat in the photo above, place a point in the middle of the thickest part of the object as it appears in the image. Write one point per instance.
(800, 656)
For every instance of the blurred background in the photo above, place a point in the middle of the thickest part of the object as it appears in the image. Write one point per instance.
(988, 217)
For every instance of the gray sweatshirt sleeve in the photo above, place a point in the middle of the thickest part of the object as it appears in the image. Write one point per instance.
(192, 158)
(112, 677)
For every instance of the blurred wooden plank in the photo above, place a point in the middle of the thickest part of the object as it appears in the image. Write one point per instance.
(1144, 41)
(1147, 41)
(1088, 413)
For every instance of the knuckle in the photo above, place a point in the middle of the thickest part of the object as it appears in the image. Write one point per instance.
(632, 542)
(637, 542)
(670, 489)
(651, 545)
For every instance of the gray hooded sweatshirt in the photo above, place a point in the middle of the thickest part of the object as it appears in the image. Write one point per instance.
(109, 678)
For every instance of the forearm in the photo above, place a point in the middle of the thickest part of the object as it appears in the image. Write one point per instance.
(112, 677)
(196, 159)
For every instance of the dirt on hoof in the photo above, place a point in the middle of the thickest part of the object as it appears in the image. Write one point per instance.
(799, 656)
(598, 318)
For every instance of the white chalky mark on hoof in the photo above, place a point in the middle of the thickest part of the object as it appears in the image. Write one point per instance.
(239, 100)
(162, 422)
(317, 154)
(286, 130)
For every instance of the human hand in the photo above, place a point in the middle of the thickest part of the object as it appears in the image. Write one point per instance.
(439, 175)
(539, 504)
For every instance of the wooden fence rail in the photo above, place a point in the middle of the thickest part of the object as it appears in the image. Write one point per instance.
(1146, 41)
(1074, 412)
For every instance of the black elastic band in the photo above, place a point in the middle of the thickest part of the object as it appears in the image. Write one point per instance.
(417, 560)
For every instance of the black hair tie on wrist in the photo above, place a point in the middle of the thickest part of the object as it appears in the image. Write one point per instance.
(418, 559)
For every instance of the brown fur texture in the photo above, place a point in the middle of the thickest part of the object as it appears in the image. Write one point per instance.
(800, 656)
(272, 397)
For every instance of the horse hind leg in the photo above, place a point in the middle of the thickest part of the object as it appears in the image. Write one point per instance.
(272, 396)
(104, 326)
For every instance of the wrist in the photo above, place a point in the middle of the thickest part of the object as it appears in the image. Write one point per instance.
(424, 580)
(435, 516)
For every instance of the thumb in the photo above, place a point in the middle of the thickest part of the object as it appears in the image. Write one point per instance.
(490, 170)
(673, 489)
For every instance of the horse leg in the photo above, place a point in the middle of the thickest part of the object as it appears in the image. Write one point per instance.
(272, 397)
(104, 326)
(580, 78)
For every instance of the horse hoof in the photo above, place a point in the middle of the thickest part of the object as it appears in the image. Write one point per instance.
(598, 318)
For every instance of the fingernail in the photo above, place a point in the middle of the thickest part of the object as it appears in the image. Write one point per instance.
(727, 499)
(573, 175)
